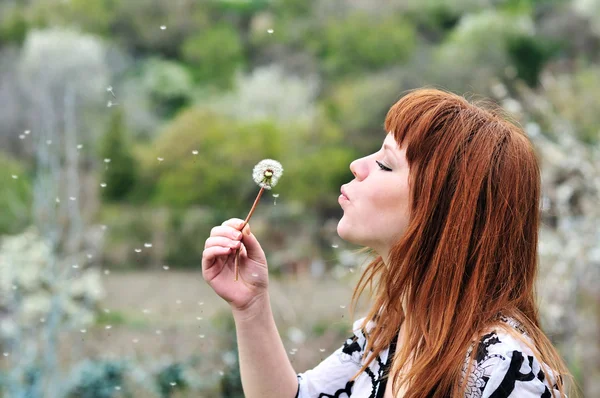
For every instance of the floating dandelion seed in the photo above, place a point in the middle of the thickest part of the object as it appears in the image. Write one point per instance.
(110, 104)
(194, 152)
(48, 142)
(15, 177)
(103, 184)
(166, 267)
(106, 160)
(79, 146)
(106, 272)
(148, 244)
(22, 137)
(138, 250)
(27, 132)
(266, 173)
(163, 27)
(270, 31)
(160, 159)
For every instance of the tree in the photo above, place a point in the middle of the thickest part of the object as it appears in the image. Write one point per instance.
(120, 173)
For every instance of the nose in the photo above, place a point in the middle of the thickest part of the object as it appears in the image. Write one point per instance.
(356, 170)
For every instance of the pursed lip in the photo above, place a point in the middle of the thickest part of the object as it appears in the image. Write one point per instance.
(343, 192)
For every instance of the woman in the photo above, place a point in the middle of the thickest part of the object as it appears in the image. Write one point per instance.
(450, 207)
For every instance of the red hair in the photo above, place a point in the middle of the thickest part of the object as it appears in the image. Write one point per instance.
(469, 252)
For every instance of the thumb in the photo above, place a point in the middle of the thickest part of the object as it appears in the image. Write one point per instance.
(250, 241)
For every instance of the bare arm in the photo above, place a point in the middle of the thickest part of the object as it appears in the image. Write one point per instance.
(264, 365)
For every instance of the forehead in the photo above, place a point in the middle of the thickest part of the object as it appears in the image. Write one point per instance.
(390, 144)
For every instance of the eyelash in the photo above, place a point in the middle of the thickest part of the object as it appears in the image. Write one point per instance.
(382, 166)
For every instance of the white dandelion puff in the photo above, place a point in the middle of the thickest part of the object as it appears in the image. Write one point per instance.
(267, 172)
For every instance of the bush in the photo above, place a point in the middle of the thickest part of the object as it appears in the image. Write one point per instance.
(98, 379)
(15, 196)
(120, 174)
(215, 55)
(359, 43)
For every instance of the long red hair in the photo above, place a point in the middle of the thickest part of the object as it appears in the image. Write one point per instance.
(469, 252)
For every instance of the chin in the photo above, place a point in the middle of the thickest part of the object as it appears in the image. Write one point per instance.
(347, 235)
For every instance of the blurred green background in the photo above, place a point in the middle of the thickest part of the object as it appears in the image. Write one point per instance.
(128, 129)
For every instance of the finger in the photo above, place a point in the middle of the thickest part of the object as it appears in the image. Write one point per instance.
(221, 241)
(212, 253)
(226, 231)
(234, 223)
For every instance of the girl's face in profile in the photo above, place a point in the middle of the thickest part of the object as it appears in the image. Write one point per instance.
(376, 211)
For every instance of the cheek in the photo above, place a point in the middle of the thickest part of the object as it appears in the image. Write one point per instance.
(391, 209)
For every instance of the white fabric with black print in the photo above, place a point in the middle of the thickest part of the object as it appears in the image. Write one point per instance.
(503, 367)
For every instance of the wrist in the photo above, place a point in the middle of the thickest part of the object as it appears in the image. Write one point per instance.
(260, 305)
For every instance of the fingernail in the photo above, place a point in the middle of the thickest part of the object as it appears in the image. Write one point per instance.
(248, 231)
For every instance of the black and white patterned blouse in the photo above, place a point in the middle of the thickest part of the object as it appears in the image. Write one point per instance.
(503, 367)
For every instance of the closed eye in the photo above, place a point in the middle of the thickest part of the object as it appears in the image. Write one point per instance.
(382, 166)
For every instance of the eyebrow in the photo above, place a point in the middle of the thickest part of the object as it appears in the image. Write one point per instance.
(386, 146)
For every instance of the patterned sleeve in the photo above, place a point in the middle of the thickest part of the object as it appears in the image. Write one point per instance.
(504, 367)
(331, 378)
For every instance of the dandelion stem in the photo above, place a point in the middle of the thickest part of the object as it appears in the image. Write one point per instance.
(237, 252)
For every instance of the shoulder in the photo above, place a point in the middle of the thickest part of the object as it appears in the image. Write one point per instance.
(504, 366)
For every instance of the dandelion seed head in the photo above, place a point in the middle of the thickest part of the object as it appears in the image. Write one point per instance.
(267, 172)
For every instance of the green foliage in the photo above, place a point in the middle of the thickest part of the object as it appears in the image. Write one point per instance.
(220, 175)
(169, 85)
(573, 99)
(315, 176)
(241, 6)
(477, 50)
(171, 379)
(184, 228)
(98, 379)
(15, 196)
(358, 43)
(137, 25)
(529, 54)
(120, 174)
(215, 54)
(358, 107)
(111, 318)
(231, 382)
(13, 27)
